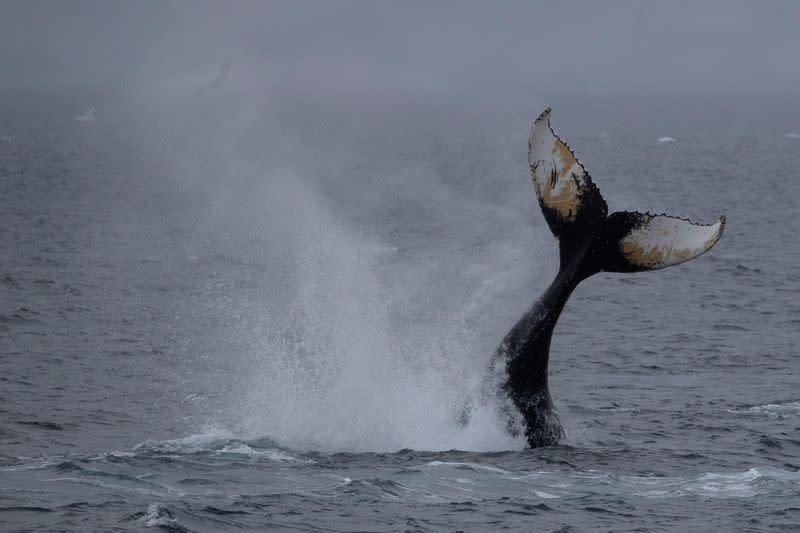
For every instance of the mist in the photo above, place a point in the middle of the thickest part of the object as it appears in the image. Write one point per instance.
(457, 47)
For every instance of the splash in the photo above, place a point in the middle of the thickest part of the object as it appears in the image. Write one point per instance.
(340, 340)
(338, 370)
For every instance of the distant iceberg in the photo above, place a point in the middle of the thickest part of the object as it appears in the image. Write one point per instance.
(792, 135)
(87, 117)
(666, 139)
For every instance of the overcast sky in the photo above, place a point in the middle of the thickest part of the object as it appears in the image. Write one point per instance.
(744, 46)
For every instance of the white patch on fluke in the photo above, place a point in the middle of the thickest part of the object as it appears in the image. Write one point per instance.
(558, 177)
(663, 241)
(667, 139)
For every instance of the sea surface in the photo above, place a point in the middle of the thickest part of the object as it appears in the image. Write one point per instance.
(264, 311)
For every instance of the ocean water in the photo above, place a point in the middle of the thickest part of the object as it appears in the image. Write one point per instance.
(264, 312)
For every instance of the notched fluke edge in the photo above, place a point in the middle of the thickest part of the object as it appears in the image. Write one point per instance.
(721, 220)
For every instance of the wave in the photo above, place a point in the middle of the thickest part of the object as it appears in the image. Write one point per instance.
(559, 484)
(41, 424)
(753, 482)
(159, 515)
(475, 467)
(219, 443)
(778, 411)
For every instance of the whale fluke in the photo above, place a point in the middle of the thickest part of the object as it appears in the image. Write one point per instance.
(567, 195)
(650, 242)
(590, 241)
(576, 213)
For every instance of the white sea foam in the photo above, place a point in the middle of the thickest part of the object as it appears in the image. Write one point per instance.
(559, 484)
(120, 455)
(218, 442)
(467, 465)
(206, 441)
(772, 410)
(778, 410)
(158, 515)
(241, 448)
(667, 139)
(755, 481)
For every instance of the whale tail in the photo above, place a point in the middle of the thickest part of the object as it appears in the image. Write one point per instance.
(578, 216)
